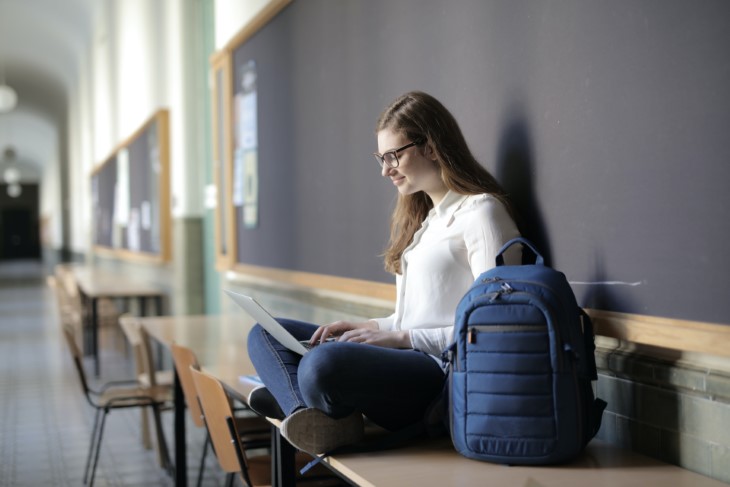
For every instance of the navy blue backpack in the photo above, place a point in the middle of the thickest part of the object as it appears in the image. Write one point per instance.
(521, 367)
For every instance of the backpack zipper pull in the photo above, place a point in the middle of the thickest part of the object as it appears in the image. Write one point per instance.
(471, 336)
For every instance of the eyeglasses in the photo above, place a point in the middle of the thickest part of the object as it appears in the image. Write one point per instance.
(390, 158)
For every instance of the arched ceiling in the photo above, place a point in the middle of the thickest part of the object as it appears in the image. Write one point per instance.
(42, 46)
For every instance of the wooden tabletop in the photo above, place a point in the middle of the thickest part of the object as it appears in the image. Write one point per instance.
(435, 462)
(96, 282)
(220, 343)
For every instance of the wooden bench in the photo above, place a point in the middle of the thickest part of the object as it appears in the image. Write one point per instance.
(220, 343)
(435, 462)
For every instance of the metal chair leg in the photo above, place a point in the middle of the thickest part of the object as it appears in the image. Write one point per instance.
(145, 424)
(163, 455)
(92, 444)
(98, 447)
(202, 459)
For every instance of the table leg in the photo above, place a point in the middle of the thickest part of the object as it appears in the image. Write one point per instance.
(181, 467)
(158, 305)
(86, 324)
(95, 335)
(282, 460)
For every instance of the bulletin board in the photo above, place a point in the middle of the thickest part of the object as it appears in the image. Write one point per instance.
(130, 194)
(608, 132)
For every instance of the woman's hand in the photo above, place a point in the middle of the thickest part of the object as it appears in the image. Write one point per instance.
(365, 332)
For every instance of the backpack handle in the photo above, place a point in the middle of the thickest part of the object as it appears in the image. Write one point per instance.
(526, 243)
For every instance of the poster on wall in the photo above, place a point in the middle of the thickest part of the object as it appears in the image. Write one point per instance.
(245, 159)
(150, 209)
(121, 193)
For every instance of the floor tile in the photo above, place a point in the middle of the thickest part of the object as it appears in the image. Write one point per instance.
(45, 422)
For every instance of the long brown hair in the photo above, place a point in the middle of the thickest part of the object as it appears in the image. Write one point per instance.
(422, 118)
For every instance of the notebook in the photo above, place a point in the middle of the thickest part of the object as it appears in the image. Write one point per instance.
(269, 323)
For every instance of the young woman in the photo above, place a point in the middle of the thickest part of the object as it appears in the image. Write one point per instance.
(450, 220)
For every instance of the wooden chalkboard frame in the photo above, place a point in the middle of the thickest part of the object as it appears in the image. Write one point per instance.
(161, 123)
(221, 126)
(221, 63)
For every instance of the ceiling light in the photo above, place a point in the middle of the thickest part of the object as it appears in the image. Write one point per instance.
(11, 175)
(8, 98)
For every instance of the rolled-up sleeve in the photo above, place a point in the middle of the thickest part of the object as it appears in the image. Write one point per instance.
(385, 323)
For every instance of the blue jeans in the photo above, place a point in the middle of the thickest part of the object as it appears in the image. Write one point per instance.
(392, 387)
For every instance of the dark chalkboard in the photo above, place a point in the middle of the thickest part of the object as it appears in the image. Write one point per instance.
(130, 194)
(606, 121)
(103, 195)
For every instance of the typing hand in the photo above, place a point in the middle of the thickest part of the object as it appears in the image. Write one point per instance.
(381, 338)
(337, 328)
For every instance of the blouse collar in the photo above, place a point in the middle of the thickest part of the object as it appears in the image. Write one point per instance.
(451, 202)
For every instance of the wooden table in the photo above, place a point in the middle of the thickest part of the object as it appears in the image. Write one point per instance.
(220, 343)
(95, 284)
(217, 341)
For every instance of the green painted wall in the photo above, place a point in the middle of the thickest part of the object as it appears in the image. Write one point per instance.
(210, 275)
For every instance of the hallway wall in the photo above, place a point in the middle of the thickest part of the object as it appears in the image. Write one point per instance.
(145, 56)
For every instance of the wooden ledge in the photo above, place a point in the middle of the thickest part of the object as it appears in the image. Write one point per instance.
(654, 331)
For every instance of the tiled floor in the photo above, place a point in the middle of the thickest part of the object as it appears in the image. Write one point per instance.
(45, 423)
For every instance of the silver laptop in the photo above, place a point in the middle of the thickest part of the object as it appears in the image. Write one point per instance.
(264, 318)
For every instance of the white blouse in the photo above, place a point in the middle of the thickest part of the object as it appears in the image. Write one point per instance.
(458, 240)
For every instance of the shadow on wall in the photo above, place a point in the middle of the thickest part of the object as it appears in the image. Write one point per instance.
(516, 174)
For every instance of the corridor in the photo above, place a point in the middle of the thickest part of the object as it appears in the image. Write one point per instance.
(45, 422)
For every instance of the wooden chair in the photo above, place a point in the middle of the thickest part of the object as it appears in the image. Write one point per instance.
(107, 311)
(147, 375)
(67, 314)
(254, 471)
(112, 396)
(255, 431)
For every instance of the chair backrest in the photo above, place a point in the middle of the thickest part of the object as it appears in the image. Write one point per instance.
(77, 357)
(218, 414)
(52, 283)
(140, 341)
(67, 282)
(146, 356)
(185, 359)
(61, 304)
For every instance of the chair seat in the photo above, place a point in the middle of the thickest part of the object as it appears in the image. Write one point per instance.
(115, 395)
(134, 396)
(162, 378)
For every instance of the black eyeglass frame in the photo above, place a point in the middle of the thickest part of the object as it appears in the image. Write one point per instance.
(381, 157)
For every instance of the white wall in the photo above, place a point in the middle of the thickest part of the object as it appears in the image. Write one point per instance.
(232, 15)
(81, 161)
(128, 75)
(145, 55)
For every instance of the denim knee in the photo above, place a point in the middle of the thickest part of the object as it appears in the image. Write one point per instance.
(323, 379)
(255, 335)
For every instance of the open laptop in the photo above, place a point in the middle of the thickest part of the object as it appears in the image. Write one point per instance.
(269, 323)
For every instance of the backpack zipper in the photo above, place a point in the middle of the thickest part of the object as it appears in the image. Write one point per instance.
(471, 335)
(509, 290)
